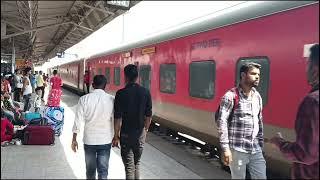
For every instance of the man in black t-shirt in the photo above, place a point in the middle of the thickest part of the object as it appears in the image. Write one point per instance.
(132, 114)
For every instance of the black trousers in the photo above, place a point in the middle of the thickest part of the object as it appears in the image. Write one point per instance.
(27, 104)
(17, 94)
(88, 87)
(131, 151)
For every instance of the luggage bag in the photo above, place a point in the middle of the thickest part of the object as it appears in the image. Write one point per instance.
(38, 135)
(29, 116)
(55, 117)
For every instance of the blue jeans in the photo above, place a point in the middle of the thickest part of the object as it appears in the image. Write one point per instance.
(97, 159)
(255, 162)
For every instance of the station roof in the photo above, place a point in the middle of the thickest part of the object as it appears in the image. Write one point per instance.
(40, 29)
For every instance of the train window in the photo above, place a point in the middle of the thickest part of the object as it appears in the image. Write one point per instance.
(108, 75)
(168, 78)
(100, 71)
(145, 76)
(264, 74)
(202, 77)
(116, 80)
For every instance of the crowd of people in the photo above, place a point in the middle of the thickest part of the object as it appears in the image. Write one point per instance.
(23, 92)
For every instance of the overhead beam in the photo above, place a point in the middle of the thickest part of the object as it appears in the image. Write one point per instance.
(83, 27)
(34, 29)
(8, 15)
(73, 28)
(72, 38)
(56, 18)
(89, 23)
(41, 46)
(58, 30)
(96, 16)
(8, 3)
(76, 34)
(13, 25)
(96, 8)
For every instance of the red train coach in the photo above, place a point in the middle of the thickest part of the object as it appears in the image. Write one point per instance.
(72, 75)
(189, 69)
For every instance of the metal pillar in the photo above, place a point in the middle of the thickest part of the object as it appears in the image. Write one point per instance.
(13, 62)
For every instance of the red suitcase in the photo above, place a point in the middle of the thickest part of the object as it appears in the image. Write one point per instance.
(38, 135)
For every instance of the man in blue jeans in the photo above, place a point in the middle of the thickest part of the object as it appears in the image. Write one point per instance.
(95, 109)
(240, 126)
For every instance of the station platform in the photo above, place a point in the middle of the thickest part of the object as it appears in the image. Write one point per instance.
(160, 159)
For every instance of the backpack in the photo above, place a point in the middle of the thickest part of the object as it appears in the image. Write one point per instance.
(235, 91)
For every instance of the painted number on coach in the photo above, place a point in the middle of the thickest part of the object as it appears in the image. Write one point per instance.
(206, 44)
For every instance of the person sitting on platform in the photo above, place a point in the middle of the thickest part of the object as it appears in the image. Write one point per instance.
(6, 129)
(11, 109)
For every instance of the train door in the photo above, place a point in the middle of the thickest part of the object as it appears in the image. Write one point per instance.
(81, 76)
(78, 78)
(145, 76)
(135, 63)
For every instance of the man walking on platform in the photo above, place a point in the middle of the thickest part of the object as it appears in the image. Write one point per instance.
(18, 85)
(304, 152)
(132, 114)
(95, 109)
(240, 127)
(40, 84)
(26, 89)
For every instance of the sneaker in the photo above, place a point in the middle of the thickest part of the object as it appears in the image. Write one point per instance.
(5, 143)
(12, 142)
(18, 142)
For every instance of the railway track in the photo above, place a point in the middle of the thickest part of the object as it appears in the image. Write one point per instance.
(195, 147)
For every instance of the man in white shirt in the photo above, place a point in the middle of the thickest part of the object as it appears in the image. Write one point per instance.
(96, 110)
(26, 89)
(18, 85)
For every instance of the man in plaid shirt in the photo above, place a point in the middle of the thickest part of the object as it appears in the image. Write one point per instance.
(240, 126)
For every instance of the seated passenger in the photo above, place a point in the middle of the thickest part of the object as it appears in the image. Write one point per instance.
(11, 110)
(6, 129)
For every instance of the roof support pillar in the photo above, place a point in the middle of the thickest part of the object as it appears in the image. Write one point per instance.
(13, 62)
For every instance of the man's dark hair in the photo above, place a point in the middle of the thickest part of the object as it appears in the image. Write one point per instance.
(314, 55)
(131, 72)
(100, 81)
(26, 70)
(55, 72)
(247, 66)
